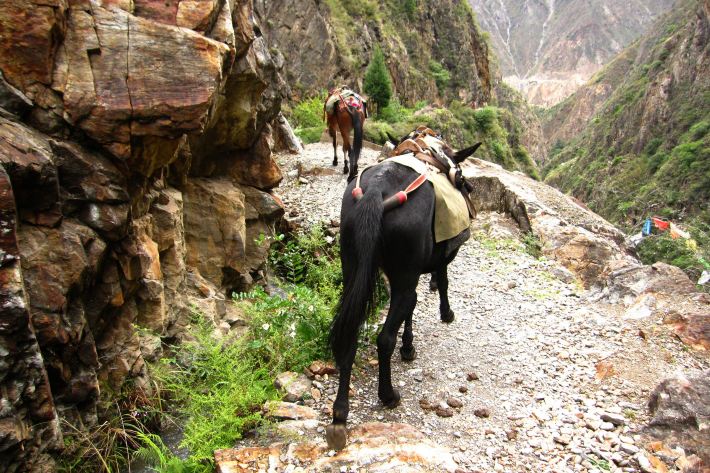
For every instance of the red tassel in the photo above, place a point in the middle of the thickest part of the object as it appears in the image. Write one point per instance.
(357, 193)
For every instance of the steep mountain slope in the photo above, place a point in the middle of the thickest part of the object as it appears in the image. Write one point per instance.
(331, 42)
(647, 150)
(548, 48)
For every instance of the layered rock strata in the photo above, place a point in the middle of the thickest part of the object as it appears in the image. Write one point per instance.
(135, 180)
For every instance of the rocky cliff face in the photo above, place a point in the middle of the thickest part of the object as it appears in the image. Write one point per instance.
(135, 177)
(329, 43)
(548, 48)
(635, 140)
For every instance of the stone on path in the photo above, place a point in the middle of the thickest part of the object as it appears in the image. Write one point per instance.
(288, 410)
(373, 447)
(293, 385)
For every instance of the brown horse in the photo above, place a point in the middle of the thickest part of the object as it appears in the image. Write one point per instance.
(344, 118)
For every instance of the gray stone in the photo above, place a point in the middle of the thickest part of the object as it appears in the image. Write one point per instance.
(293, 385)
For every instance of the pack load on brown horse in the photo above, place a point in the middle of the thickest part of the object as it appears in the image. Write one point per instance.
(345, 110)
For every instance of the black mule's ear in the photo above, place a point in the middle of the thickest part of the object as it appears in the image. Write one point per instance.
(395, 141)
(465, 153)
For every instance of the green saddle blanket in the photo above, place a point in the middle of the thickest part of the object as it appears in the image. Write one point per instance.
(450, 211)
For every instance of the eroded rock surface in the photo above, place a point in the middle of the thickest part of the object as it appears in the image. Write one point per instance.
(109, 112)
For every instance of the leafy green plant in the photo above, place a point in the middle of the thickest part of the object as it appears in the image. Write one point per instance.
(394, 112)
(440, 74)
(287, 333)
(309, 135)
(677, 252)
(307, 118)
(532, 244)
(218, 387)
(308, 113)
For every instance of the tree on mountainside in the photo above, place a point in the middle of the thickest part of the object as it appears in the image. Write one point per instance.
(377, 84)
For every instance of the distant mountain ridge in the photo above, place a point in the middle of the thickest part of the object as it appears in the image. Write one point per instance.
(549, 48)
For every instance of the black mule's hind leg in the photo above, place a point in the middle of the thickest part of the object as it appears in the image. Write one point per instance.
(336, 433)
(433, 287)
(442, 281)
(404, 298)
(407, 350)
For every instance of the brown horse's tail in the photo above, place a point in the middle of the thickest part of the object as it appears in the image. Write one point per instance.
(357, 121)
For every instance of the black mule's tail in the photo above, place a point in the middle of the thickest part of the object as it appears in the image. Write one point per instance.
(360, 253)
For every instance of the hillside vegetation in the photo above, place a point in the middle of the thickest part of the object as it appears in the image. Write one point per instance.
(647, 149)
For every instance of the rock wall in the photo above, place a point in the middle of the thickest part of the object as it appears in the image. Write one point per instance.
(331, 43)
(135, 177)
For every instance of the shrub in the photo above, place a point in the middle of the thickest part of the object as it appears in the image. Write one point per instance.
(308, 113)
(677, 252)
(394, 112)
(376, 131)
(440, 74)
(219, 388)
(309, 135)
(486, 118)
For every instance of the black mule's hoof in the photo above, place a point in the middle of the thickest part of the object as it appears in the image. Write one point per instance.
(408, 355)
(394, 401)
(448, 318)
(433, 286)
(346, 170)
(336, 435)
(335, 162)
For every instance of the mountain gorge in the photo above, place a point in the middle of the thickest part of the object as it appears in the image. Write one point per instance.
(634, 141)
(548, 48)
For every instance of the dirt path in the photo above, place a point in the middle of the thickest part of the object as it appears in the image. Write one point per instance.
(548, 379)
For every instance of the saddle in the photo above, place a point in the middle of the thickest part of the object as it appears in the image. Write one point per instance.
(343, 97)
(426, 145)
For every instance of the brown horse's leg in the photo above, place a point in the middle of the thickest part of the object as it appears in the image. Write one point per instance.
(345, 124)
(332, 122)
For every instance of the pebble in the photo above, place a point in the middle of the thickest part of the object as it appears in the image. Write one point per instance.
(482, 412)
(453, 402)
(616, 419)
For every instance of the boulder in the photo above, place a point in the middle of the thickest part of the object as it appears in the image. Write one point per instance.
(30, 34)
(139, 115)
(626, 281)
(288, 410)
(215, 227)
(284, 137)
(681, 412)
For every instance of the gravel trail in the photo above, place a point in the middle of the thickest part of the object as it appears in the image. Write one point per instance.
(546, 378)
